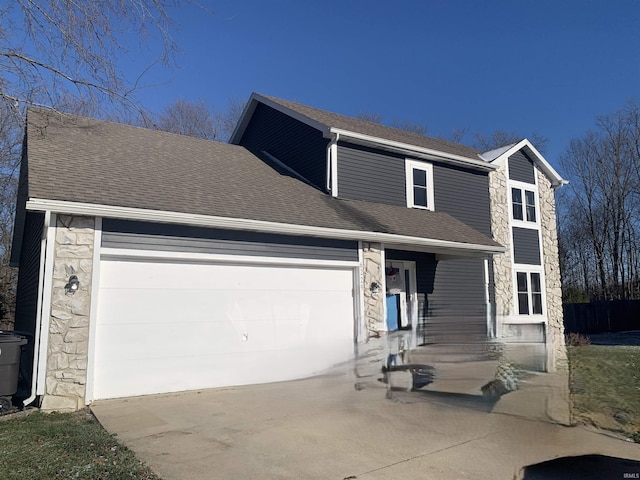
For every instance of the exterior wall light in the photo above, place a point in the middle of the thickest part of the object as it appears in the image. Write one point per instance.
(72, 286)
(375, 288)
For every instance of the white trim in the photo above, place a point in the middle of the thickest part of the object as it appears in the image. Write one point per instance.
(530, 317)
(361, 321)
(409, 167)
(46, 304)
(129, 213)
(556, 180)
(334, 166)
(93, 316)
(523, 187)
(413, 150)
(383, 266)
(491, 328)
(188, 257)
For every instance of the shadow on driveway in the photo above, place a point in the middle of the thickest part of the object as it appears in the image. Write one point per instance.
(585, 467)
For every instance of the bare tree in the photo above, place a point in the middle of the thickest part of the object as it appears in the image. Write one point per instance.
(10, 143)
(500, 138)
(228, 118)
(193, 119)
(197, 119)
(410, 127)
(52, 48)
(601, 224)
(370, 117)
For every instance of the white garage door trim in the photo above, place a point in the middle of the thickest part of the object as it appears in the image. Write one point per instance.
(199, 259)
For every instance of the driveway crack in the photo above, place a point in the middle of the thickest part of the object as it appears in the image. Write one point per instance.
(422, 455)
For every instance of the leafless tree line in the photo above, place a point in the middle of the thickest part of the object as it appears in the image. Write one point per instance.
(599, 212)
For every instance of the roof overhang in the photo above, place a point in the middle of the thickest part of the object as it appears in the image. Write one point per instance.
(501, 154)
(356, 138)
(410, 150)
(147, 215)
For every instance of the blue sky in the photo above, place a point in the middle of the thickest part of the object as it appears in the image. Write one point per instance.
(545, 66)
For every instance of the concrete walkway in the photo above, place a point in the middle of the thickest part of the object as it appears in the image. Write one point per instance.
(323, 428)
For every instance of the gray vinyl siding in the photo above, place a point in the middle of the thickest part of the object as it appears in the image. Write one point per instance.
(299, 146)
(371, 175)
(27, 291)
(377, 176)
(175, 238)
(526, 246)
(464, 194)
(521, 168)
(457, 306)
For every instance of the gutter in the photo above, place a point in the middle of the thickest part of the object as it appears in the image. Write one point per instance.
(332, 165)
(147, 215)
(413, 150)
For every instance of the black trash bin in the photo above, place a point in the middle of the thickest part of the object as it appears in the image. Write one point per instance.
(10, 350)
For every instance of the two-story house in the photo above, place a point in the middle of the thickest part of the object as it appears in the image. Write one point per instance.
(152, 262)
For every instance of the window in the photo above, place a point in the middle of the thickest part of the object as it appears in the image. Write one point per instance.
(529, 293)
(519, 208)
(419, 176)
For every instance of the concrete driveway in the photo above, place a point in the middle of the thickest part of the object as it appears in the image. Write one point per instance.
(323, 428)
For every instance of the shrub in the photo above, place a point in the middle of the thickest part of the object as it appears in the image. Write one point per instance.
(577, 340)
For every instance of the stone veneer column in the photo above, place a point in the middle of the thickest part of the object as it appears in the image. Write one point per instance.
(69, 320)
(502, 266)
(557, 354)
(373, 269)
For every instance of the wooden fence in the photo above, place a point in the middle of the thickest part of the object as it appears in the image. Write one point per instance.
(602, 316)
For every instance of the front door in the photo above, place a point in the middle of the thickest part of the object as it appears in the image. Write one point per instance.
(401, 297)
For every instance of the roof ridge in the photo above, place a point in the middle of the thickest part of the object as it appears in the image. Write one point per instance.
(406, 133)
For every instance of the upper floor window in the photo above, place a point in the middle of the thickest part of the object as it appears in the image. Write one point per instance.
(529, 293)
(419, 176)
(523, 205)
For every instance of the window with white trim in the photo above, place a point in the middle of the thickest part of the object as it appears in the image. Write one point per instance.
(419, 177)
(523, 204)
(529, 288)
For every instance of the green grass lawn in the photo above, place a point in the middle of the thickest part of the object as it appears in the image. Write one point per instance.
(64, 446)
(605, 386)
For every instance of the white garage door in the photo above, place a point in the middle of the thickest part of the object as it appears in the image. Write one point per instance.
(167, 326)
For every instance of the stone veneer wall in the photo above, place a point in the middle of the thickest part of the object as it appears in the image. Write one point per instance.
(502, 266)
(66, 374)
(557, 354)
(373, 270)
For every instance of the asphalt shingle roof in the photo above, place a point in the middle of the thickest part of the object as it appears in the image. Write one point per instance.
(356, 125)
(78, 159)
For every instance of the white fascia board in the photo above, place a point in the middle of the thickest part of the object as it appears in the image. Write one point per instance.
(556, 179)
(146, 215)
(413, 150)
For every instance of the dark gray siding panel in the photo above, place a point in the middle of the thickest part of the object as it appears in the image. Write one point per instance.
(463, 194)
(175, 238)
(457, 307)
(526, 246)
(521, 168)
(371, 175)
(295, 144)
(27, 292)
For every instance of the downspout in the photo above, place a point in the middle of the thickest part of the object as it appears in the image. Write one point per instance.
(332, 150)
(36, 332)
(491, 326)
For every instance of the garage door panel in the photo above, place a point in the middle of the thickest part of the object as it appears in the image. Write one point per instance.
(234, 325)
(194, 372)
(184, 276)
